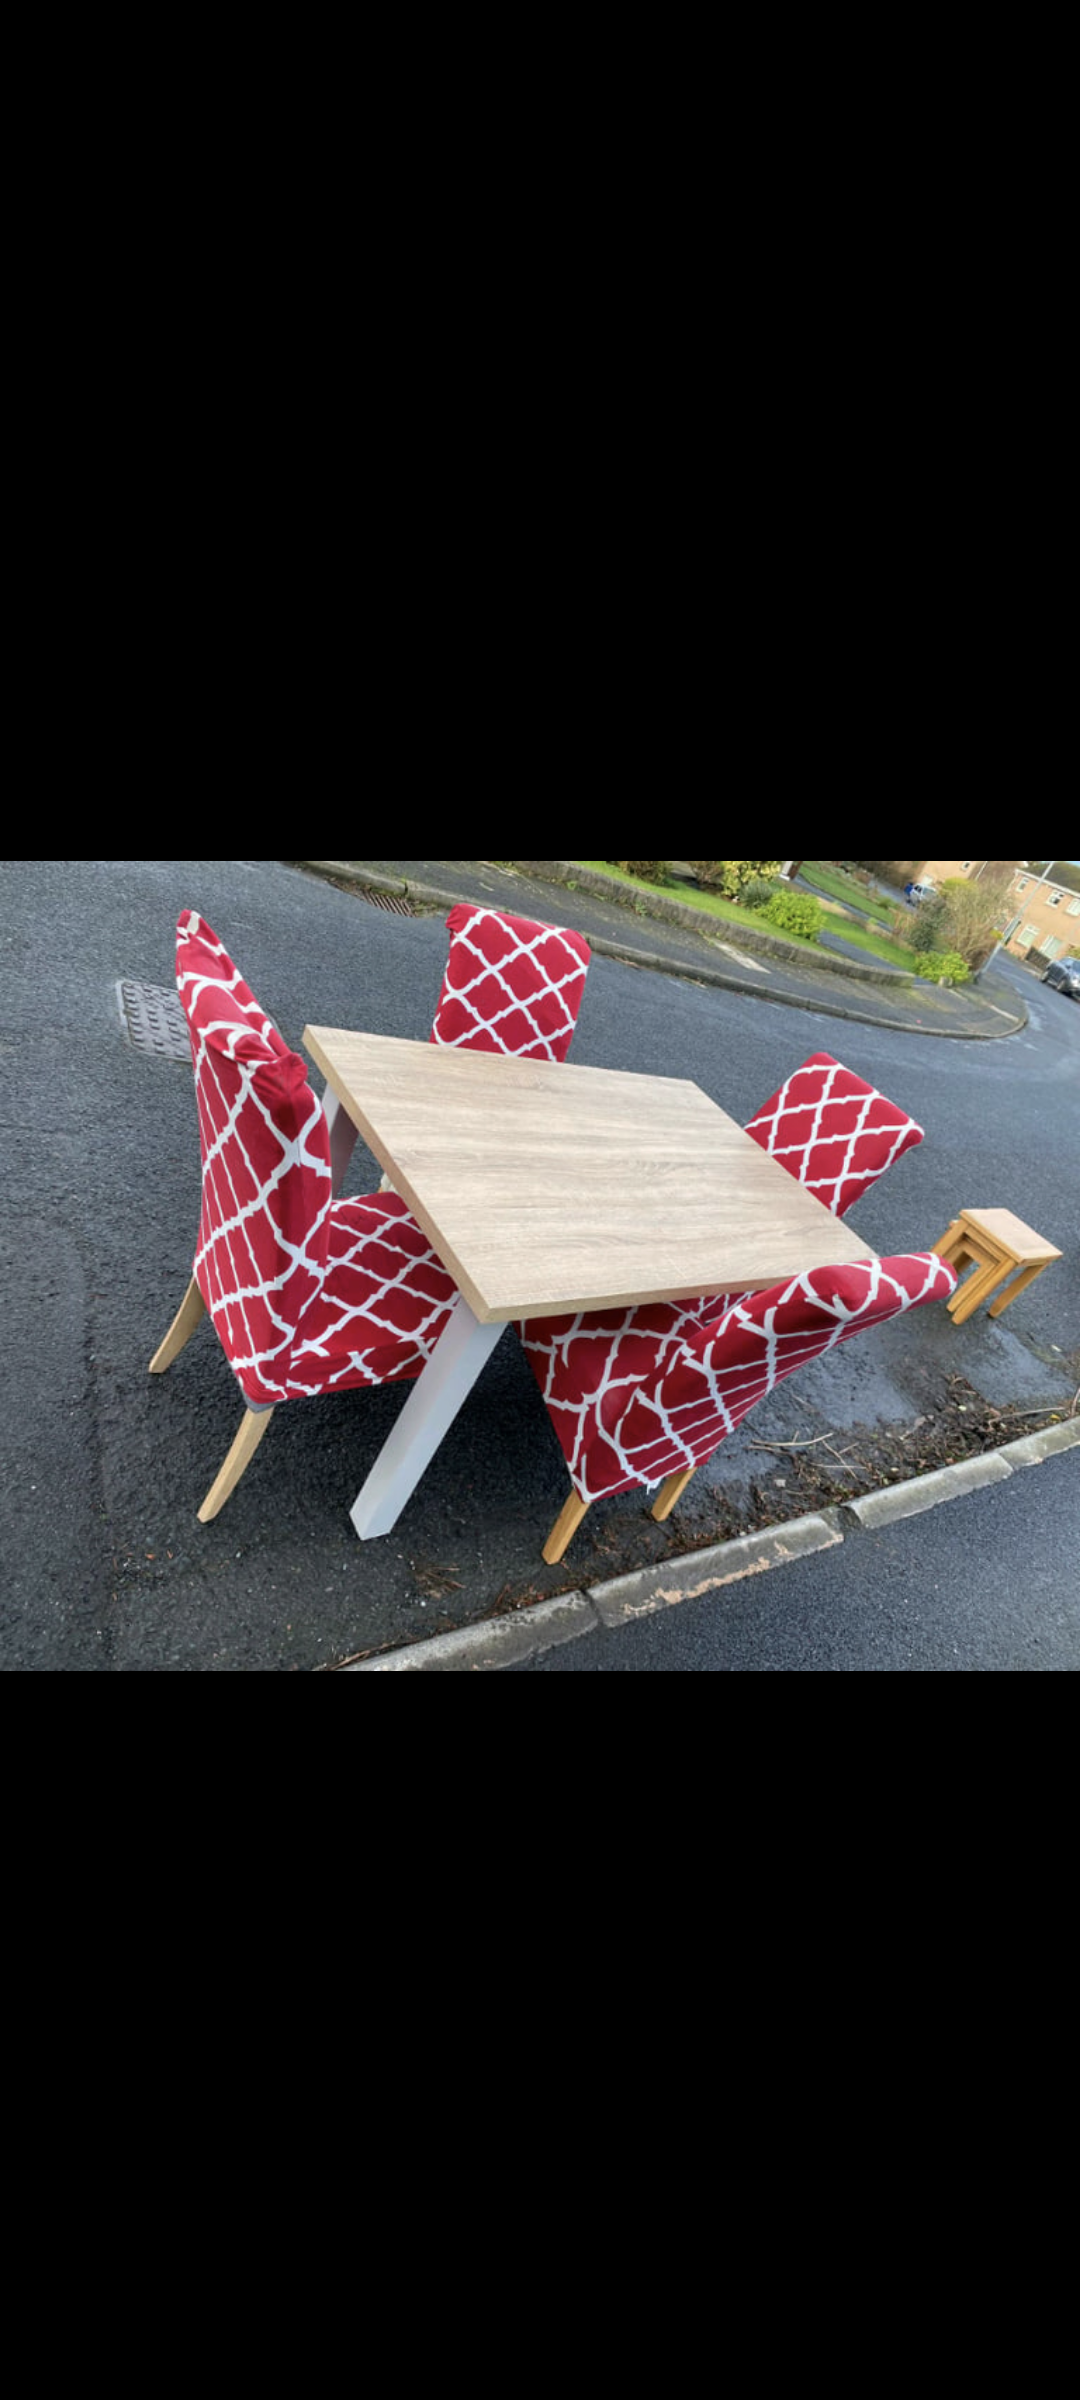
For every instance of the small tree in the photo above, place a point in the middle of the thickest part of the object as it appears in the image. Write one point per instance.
(928, 924)
(974, 913)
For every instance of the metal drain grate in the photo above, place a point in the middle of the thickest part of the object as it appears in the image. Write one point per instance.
(401, 908)
(153, 1019)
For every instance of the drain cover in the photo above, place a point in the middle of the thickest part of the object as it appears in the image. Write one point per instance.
(401, 908)
(153, 1019)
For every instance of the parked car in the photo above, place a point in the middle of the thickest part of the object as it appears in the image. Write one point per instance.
(1064, 975)
(914, 892)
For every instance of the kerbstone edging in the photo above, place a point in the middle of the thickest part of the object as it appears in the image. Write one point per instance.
(924, 1491)
(1032, 1448)
(700, 1571)
(372, 881)
(495, 1642)
(968, 1475)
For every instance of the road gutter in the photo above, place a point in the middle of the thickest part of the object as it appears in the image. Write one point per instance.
(505, 1641)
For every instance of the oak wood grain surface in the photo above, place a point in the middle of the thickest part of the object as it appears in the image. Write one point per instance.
(546, 1187)
(1010, 1233)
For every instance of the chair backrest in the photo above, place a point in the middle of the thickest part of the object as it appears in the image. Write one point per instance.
(266, 1190)
(832, 1131)
(510, 984)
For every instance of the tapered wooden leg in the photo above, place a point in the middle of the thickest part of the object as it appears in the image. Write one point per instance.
(251, 1432)
(669, 1492)
(192, 1308)
(950, 1239)
(564, 1529)
(1019, 1284)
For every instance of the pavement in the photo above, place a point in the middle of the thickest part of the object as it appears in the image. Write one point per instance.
(649, 931)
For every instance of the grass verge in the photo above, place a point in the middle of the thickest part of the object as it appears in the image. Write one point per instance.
(863, 937)
(849, 893)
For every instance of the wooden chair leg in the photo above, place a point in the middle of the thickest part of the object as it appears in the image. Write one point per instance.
(253, 1427)
(564, 1528)
(669, 1492)
(192, 1308)
(950, 1240)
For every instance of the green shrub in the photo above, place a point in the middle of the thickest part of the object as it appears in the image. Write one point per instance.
(731, 875)
(757, 893)
(794, 912)
(651, 870)
(928, 924)
(941, 966)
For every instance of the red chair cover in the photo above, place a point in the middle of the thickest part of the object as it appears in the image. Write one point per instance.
(832, 1131)
(510, 984)
(307, 1294)
(635, 1396)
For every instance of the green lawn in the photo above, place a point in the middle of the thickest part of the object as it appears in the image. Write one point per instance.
(845, 889)
(877, 945)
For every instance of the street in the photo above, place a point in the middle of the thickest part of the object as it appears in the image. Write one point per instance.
(106, 1568)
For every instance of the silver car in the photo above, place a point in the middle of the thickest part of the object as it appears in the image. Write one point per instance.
(1064, 975)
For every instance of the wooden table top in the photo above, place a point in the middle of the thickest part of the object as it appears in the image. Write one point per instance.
(546, 1188)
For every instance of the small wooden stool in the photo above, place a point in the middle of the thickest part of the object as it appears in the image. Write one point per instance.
(997, 1242)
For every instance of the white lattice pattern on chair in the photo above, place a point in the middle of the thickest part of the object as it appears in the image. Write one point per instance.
(307, 1294)
(832, 1131)
(511, 984)
(635, 1396)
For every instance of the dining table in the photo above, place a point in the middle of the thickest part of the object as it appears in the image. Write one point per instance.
(546, 1189)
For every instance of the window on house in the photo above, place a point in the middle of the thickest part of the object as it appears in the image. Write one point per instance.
(1074, 908)
(966, 865)
(1030, 934)
(1052, 946)
(1023, 884)
(1053, 899)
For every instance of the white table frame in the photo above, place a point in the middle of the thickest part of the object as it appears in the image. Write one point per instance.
(439, 1391)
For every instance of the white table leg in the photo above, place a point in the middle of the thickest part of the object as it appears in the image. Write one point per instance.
(342, 1138)
(431, 1407)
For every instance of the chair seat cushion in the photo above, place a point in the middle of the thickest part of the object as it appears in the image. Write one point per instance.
(384, 1301)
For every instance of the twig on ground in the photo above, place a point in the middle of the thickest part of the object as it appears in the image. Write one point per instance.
(815, 1437)
(810, 1445)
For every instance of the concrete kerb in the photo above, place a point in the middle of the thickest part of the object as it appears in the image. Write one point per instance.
(559, 871)
(503, 1641)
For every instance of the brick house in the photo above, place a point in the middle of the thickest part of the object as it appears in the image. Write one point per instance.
(1041, 914)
